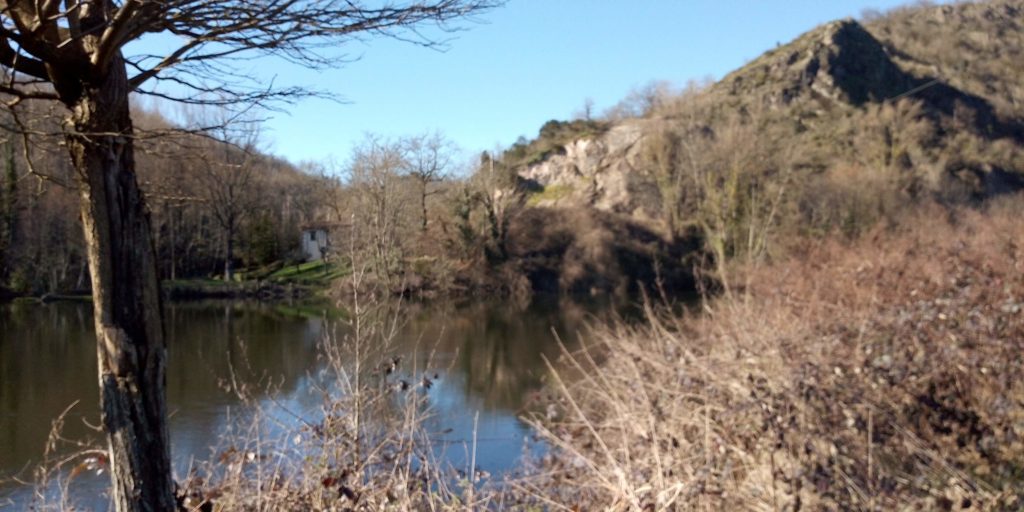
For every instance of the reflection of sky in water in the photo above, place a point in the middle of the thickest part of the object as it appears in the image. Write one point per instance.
(487, 357)
(500, 437)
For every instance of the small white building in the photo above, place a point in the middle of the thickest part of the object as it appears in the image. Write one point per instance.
(316, 243)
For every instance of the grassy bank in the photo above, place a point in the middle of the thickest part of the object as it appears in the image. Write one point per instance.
(880, 374)
(274, 282)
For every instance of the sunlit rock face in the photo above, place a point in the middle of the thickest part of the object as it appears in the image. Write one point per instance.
(605, 173)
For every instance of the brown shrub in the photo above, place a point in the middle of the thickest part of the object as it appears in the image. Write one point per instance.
(883, 373)
(582, 251)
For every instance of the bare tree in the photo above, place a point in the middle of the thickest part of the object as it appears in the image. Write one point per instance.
(71, 53)
(229, 182)
(501, 199)
(8, 207)
(734, 180)
(427, 158)
(374, 176)
(661, 150)
(642, 101)
(586, 111)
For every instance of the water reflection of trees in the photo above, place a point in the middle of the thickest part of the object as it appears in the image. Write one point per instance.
(498, 349)
(47, 362)
(211, 344)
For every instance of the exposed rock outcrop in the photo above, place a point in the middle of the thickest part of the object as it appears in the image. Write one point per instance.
(826, 76)
(604, 173)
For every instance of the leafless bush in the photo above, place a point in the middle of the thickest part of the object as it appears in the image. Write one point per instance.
(878, 374)
(64, 460)
(366, 448)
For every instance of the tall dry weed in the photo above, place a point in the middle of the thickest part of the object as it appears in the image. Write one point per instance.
(886, 373)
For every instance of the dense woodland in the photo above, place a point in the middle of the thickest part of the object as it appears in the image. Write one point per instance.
(218, 204)
(202, 193)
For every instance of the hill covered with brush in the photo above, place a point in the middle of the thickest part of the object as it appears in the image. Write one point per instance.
(857, 191)
(843, 127)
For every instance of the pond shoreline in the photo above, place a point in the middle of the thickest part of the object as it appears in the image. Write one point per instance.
(262, 290)
(185, 291)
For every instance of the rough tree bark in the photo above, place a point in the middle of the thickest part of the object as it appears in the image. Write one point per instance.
(423, 205)
(126, 299)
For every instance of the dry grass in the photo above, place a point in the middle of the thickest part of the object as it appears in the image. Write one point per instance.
(880, 374)
(63, 461)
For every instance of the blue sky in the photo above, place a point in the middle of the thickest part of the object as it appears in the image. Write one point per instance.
(528, 62)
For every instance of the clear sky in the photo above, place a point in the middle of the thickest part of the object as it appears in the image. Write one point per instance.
(531, 61)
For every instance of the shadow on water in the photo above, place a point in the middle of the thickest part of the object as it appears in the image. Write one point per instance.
(487, 358)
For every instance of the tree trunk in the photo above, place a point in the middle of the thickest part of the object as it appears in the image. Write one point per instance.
(126, 298)
(8, 211)
(423, 204)
(173, 221)
(229, 254)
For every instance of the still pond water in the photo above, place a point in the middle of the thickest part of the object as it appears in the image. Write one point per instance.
(488, 358)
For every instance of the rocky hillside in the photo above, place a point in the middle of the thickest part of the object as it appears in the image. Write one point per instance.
(974, 47)
(849, 125)
(911, 101)
(837, 63)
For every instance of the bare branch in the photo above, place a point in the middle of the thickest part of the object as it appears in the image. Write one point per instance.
(84, 37)
(36, 32)
(20, 63)
(304, 33)
(114, 34)
(22, 94)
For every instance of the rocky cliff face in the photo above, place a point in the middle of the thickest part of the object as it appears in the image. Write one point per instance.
(604, 173)
(838, 64)
(830, 76)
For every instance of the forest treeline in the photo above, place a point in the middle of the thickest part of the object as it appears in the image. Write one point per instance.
(846, 126)
(212, 197)
(403, 208)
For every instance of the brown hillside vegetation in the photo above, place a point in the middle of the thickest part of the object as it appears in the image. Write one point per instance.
(849, 124)
(856, 194)
(585, 252)
(879, 374)
(976, 47)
